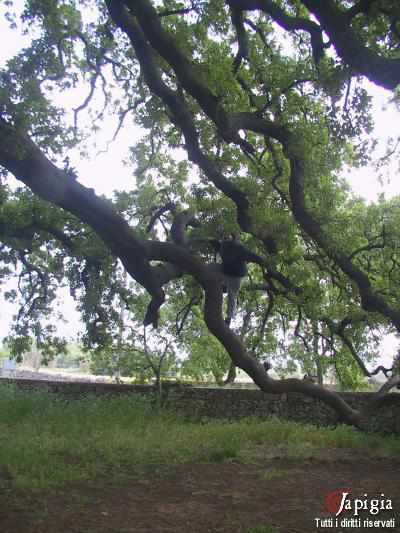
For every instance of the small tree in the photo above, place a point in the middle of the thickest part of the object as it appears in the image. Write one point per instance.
(137, 360)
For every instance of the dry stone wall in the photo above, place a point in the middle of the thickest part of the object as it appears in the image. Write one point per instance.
(205, 403)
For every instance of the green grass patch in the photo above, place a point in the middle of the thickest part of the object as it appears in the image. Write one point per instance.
(273, 473)
(46, 441)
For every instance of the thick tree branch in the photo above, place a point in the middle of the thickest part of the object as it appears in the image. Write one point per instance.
(28, 164)
(157, 214)
(336, 23)
(177, 106)
(370, 299)
(255, 369)
(180, 223)
(286, 21)
(363, 6)
(213, 317)
(189, 77)
(243, 45)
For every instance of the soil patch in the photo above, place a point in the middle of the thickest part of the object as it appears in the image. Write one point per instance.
(199, 498)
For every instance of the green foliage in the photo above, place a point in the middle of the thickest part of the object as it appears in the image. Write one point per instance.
(206, 360)
(133, 361)
(73, 357)
(75, 47)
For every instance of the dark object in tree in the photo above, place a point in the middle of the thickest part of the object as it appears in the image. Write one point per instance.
(69, 169)
(234, 257)
(267, 366)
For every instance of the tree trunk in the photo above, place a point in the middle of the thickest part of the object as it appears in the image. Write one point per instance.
(158, 386)
(320, 372)
(230, 378)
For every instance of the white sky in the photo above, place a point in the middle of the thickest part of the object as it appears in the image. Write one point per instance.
(106, 172)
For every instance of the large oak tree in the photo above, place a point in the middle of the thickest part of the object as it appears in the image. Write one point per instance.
(249, 111)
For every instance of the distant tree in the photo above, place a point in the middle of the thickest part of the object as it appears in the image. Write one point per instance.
(249, 111)
(74, 357)
(136, 360)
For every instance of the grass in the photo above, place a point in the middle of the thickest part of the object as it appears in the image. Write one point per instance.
(47, 442)
(273, 473)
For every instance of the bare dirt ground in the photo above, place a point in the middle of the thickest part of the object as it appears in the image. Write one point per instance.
(223, 498)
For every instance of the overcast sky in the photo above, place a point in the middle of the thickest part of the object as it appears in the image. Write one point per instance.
(106, 172)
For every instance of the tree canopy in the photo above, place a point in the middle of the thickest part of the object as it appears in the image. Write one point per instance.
(249, 112)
